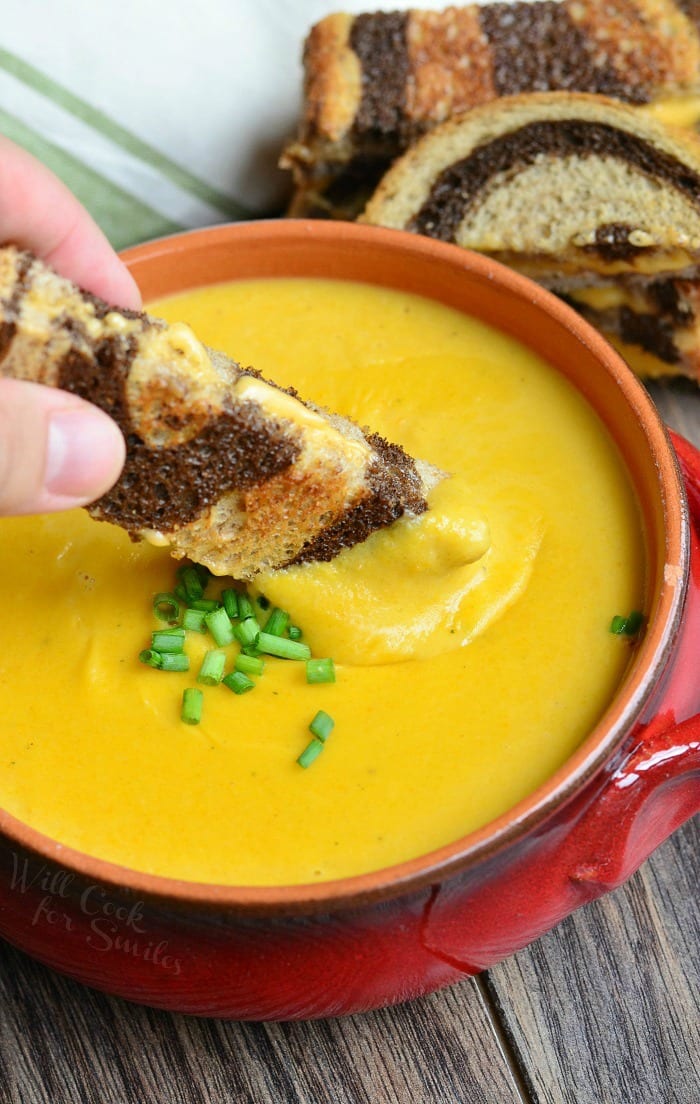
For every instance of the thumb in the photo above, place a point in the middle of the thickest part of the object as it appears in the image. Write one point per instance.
(56, 451)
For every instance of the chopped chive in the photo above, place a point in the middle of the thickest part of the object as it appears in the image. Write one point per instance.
(320, 670)
(175, 661)
(220, 627)
(151, 658)
(212, 670)
(249, 665)
(230, 599)
(238, 682)
(322, 725)
(204, 604)
(168, 640)
(166, 608)
(310, 753)
(263, 602)
(283, 648)
(247, 632)
(193, 620)
(634, 623)
(250, 650)
(245, 607)
(192, 701)
(180, 592)
(294, 632)
(203, 572)
(627, 626)
(277, 622)
(191, 581)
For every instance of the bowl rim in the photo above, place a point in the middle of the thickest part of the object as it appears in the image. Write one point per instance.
(606, 738)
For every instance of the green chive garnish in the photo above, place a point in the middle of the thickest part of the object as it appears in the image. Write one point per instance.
(627, 626)
(191, 580)
(322, 726)
(166, 608)
(180, 593)
(310, 752)
(173, 661)
(238, 682)
(249, 665)
(634, 623)
(277, 622)
(168, 640)
(220, 627)
(247, 632)
(192, 701)
(204, 604)
(320, 670)
(151, 658)
(283, 648)
(204, 574)
(245, 607)
(230, 599)
(212, 670)
(294, 632)
(263, 602)
(193, 621)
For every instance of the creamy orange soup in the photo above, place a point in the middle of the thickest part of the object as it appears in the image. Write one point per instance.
(472, 647)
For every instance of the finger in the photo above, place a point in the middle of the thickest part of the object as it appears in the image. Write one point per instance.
(56, 451)
(39, 213)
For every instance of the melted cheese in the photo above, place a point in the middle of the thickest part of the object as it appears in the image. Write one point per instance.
(680, 111)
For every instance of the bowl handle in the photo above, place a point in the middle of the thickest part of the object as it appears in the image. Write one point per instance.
(656, 787)
(651, 793)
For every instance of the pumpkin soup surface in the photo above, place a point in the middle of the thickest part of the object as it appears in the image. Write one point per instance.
(471, 645)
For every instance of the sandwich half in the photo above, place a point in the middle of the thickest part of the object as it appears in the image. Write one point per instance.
(583, 194)
(222, 466)
(376, 82)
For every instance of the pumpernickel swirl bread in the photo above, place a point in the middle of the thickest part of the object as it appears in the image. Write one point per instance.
(579, 192)
(222, 466)
(374, 83)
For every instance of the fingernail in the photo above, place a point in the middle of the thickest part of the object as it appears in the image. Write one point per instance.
(82, 452)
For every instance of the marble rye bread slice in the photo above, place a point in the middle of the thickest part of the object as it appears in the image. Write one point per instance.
(375, 82)
(583, 194)
(222, 466)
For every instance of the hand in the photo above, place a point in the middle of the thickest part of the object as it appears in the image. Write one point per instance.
(56, 451)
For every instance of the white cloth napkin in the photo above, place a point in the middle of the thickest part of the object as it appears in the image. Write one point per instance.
(160, 116)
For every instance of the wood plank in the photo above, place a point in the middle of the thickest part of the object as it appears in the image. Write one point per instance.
(607, 1006)
(679, 404)
(60, 1042)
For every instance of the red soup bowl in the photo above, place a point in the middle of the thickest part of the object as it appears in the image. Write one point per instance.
(361, 942)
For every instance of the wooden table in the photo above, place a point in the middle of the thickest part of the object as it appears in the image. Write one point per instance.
(603, 1010)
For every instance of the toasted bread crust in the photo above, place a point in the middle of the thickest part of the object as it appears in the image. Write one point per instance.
(223, 466)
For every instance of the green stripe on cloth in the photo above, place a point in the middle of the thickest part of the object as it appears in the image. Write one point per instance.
(118, 134)
(124, 219)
